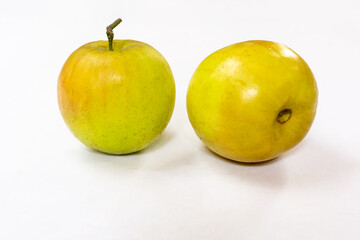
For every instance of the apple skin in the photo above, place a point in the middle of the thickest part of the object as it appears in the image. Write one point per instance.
(117, 102)
(236, 94)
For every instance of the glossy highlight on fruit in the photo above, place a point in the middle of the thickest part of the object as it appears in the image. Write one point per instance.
(252, 101)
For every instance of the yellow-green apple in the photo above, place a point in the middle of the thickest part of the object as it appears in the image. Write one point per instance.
(252, 101)
(116, 96)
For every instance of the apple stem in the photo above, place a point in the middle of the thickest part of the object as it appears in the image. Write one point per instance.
(110, 33)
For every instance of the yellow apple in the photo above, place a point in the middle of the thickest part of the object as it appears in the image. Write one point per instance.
(118, 96)
(252, 101)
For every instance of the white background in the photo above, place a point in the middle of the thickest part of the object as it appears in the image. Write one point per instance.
(52, 187)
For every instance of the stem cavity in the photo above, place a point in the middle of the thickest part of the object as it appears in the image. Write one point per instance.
(284, 116)
(110, 33)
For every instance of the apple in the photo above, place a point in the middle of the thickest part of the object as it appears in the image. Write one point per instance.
(116, 96)
(252, 101)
